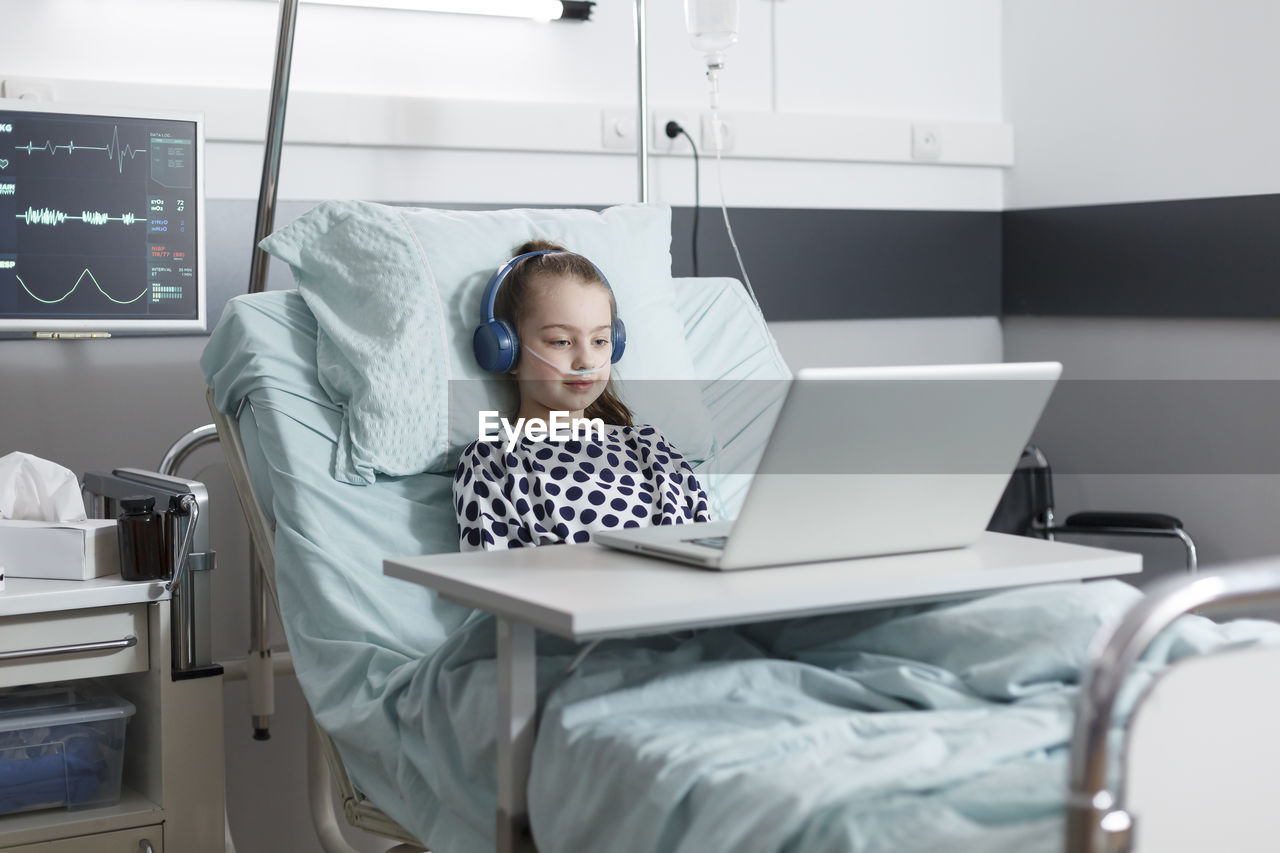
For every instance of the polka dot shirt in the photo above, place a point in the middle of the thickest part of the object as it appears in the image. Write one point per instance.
(550, 492)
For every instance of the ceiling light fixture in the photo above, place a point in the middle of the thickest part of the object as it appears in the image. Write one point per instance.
(534, 10)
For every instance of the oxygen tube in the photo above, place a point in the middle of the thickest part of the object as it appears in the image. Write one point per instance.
(584, 371)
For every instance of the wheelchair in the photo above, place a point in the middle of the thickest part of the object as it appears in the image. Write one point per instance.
(1027, 509)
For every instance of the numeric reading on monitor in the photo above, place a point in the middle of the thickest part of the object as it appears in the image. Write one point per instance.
(97, 218)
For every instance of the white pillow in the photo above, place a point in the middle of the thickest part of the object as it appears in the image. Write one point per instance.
(396, 294)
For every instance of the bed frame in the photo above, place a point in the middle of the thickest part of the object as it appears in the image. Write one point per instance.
(1186, 784)
(325, 770)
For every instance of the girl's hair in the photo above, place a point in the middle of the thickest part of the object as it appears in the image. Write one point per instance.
(516, 291)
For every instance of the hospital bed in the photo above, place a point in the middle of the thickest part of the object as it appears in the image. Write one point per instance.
(898, 737)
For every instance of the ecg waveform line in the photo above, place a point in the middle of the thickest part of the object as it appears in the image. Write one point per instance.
(48, 216)
(114, 151)
(77, 284)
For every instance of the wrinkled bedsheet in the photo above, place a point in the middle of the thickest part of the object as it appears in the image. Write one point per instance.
(943, 727)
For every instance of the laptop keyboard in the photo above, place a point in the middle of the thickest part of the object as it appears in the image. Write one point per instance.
(709, 541)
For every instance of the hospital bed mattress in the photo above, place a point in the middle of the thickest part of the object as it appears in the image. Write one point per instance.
(940, 726)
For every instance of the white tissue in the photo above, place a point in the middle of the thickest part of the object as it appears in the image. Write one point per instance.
(35, 489)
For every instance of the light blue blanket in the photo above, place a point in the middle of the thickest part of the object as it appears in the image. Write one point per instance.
(937, 728)
(940, 728)
(943, 728)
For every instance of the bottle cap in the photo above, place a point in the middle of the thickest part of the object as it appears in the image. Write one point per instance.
(138, 503)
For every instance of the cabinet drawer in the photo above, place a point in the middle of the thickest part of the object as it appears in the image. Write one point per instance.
(67, 644)
(143, 839)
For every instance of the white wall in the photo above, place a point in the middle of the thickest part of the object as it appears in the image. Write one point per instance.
(933, 60)
(1141, 101)
(942, 60)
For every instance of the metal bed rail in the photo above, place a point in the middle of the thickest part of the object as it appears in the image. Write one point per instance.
(1097, 820)
(325, 770)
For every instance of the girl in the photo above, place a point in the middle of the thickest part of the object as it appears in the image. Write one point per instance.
(544, 492)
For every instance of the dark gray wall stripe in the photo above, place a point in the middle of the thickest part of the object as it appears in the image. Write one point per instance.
(1189, 258)
(851, 264)
(1215, 257)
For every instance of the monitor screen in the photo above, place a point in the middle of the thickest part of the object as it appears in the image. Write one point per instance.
(101, 220)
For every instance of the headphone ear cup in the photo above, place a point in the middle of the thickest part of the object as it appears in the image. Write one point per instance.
(496, 346)
(619, 339)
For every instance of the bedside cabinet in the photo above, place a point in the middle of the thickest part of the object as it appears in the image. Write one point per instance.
(120, 634)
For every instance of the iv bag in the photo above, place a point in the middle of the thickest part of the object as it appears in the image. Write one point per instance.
(712, 24)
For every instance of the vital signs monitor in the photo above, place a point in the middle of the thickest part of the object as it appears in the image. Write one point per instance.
(101, 220)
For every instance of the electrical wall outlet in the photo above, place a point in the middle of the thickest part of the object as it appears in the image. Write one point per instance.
(663, 144)
(27, 89)
(728, 138)
(926, 142)
(618, 129)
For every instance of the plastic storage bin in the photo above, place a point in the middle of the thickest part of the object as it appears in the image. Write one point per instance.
(61, 745)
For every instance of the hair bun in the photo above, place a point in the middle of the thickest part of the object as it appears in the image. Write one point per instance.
(538, 246)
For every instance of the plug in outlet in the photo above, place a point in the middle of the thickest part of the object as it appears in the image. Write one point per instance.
(618, 129)
(926, 142)
(663, 144)
(728, 135)
(27, 89)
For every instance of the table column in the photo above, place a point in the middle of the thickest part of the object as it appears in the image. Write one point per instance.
(517, 724)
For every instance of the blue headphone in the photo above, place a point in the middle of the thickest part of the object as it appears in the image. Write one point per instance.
(495, 342)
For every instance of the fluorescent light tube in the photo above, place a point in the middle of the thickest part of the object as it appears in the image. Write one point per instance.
(536, 10)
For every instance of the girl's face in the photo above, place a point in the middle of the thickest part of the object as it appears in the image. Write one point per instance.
(568, 323)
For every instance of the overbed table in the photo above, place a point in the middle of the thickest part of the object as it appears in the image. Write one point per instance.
(588, 592)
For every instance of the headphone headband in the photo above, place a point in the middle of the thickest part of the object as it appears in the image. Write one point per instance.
(491, 289)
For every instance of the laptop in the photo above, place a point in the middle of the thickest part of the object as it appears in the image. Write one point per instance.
(870, 461)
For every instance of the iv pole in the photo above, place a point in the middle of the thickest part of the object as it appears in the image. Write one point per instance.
(642, 102)
(275, 142)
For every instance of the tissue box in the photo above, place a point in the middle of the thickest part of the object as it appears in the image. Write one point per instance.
(61, 550)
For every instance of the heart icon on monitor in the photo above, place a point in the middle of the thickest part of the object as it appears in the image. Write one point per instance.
(4, 164)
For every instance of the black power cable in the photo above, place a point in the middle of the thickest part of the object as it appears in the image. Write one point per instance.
(673, 130)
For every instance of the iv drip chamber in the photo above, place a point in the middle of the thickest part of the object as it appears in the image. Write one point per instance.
(713, 27)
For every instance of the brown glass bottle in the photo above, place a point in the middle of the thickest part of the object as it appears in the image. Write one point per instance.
(141, 531)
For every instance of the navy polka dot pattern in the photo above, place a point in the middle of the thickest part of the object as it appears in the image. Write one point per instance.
(633, 478)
